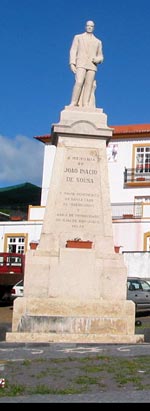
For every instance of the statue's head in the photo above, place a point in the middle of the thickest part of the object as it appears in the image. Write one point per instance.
(90, 26)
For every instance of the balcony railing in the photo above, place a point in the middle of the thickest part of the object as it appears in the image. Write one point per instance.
(127, 210)
(135, 175)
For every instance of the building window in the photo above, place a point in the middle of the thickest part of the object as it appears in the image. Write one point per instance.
(142, 159)
(147, 241)
(139, 201)
(16, 244)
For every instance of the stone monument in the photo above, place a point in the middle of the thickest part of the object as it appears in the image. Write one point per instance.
(75, 284)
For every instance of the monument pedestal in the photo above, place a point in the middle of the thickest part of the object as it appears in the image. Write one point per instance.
(74, 321)
(73, 294)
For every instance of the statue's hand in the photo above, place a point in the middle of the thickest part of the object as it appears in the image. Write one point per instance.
(94, 60)
(73, 68)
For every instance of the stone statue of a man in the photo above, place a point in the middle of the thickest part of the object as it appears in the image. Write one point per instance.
(85, 54)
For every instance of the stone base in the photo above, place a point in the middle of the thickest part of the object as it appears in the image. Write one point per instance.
(83, 120)
(73, 338)
(56, 320)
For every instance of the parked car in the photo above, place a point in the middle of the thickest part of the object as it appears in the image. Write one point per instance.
(138, 290)
(16, 290)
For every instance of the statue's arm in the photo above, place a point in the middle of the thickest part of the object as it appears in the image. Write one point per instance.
(73, 54)
(99, 58)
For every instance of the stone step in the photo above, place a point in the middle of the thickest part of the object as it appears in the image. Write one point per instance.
(29, 337)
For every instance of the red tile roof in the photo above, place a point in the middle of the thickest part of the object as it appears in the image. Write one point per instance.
(131, 128)
(45, 138)
(118, 131)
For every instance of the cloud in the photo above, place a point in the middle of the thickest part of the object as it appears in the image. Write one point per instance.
(21, 160)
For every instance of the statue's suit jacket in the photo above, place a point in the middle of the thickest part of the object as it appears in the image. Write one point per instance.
(83, 49)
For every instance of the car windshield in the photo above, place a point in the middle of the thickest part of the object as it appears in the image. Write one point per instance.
(19, 284)
(145, 285)
(138, 285)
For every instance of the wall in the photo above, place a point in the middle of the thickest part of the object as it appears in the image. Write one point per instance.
(138, 264)
(33, 229)
(49, 155)
(130, 234)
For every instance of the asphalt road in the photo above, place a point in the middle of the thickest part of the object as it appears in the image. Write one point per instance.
(6, 312)
(70, 358)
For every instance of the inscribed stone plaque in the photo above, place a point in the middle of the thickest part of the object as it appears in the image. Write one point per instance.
(78, 204)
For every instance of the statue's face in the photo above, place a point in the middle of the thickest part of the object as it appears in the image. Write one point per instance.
(89, 26)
